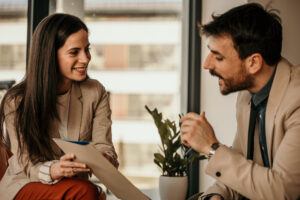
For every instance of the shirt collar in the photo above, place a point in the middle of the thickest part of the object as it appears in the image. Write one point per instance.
(263, 94)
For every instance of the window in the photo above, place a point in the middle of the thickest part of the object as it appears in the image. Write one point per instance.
(13, 30)
(136, 54)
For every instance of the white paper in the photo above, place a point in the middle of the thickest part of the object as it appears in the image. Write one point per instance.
(116, 182)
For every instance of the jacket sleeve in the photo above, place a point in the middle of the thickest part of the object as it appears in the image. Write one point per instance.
(218, 187)
(281, 181)
(22, 165)
(101, 128)
(20, 162)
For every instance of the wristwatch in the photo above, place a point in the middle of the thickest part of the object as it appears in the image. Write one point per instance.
(213, 149)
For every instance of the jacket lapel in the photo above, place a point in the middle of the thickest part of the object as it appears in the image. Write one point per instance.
(243, 115)
(75, 112)
(280, 84)
(55, 134)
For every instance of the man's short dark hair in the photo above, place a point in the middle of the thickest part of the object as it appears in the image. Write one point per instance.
(252, 29)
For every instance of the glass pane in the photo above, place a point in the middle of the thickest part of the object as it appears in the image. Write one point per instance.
(136, 57)
(132, 106)
(13, 31)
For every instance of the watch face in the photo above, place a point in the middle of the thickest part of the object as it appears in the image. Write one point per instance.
(214, 146)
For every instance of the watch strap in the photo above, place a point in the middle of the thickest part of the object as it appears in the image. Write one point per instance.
(213, 149)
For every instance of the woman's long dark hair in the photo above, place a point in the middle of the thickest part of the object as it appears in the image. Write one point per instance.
(35, 96)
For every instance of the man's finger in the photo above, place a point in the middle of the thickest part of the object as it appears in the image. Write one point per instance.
(188, 123)
(185, 130)
(189, 116)
(185, 142)
(203, 117)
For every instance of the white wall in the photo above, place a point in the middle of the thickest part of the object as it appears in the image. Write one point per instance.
(220, 110)
(290, 16)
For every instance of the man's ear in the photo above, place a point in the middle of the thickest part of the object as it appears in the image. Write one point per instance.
(254, 63)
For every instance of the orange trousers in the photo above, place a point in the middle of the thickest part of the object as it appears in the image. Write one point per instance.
(67, 189)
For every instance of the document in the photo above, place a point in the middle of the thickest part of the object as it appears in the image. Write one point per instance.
(116, 182)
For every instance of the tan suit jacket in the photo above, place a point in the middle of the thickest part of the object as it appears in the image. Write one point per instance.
(89, 120)
(235, 174)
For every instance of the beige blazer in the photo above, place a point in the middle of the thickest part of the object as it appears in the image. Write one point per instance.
(235, 174)
(89, 120)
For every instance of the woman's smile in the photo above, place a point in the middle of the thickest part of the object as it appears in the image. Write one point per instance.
(81, 70)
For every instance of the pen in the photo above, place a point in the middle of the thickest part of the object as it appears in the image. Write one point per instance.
(189, 151)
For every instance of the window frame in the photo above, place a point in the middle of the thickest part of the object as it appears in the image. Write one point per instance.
(191, 75)
(37, 10)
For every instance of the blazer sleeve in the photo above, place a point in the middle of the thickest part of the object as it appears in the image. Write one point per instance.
(281, 181)
(16, 165)
(101, 128)
(220, 188)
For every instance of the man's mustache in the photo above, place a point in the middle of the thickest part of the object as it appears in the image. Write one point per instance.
(214, 73)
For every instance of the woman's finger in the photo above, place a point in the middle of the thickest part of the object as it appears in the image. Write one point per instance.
(79, 170)
(68, 172)
(70, 164)
(68, 156)
(71, 171)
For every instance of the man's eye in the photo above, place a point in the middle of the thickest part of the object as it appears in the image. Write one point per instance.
(219, 59)
(87, 49)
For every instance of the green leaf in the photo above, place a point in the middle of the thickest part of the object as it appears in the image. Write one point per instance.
(160, 158)
(169, 160)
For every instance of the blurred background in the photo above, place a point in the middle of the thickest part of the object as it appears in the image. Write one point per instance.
(136, 52)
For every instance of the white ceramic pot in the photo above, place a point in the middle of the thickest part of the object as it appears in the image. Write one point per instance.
(173, 188)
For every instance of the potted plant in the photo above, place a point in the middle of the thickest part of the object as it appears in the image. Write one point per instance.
(171, 158)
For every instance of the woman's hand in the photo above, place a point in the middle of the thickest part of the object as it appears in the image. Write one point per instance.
(66, 167)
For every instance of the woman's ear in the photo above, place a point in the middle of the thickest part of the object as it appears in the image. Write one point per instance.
(254, 63)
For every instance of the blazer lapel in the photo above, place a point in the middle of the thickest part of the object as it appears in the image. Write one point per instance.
(280, 84)
(75, 112)
(55, 134)
(243, 117)
(54, 129)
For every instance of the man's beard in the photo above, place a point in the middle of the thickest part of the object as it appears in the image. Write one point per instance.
(241, 81)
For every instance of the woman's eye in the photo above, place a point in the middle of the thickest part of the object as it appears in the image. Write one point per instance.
(73, 52)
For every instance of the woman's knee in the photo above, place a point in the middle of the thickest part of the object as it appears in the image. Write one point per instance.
(83, 189)
(74, 188)
(102, 196)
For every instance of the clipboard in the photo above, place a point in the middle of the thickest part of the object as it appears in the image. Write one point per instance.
(116, 182)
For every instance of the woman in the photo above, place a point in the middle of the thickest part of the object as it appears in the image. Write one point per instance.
(55, 99)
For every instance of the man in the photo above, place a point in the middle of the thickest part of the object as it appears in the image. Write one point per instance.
(263, 162)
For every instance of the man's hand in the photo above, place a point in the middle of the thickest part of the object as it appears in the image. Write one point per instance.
(66, 167)
(196, 132)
